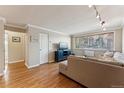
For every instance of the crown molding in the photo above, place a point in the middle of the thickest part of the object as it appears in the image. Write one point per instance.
(15, 26)
(109, 29)
(3, 19)
(47, 29)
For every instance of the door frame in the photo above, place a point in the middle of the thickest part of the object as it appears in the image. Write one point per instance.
(25, 44)
(47, 49)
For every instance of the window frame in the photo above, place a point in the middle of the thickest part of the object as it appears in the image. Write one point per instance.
(85, 35)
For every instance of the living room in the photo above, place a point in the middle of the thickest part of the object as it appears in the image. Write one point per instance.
(66, 46)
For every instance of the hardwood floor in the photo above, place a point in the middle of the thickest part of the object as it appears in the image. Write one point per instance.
(44, 76)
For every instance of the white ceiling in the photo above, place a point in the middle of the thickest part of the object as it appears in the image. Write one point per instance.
(66, 19)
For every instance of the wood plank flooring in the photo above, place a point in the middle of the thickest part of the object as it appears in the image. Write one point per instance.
(43, 76)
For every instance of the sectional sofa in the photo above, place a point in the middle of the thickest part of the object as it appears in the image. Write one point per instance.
(93, 73)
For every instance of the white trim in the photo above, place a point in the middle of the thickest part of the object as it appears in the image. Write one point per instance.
(11, 25)
(47, 46)
(44, 63)
(15, 61)
(97, 31)
(31, 66)
(3, 19)
(43, 28)
(91, 49)
(26, 64)
(90, 34)
(51, 61)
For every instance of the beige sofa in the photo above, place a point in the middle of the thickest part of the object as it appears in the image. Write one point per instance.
(92, 73)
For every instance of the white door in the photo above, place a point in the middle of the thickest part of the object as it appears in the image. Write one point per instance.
(43, 48)
(6, 47)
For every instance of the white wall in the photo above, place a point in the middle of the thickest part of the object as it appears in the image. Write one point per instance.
(16, 50)
(32, 49)
(118, 40)
(2, 53)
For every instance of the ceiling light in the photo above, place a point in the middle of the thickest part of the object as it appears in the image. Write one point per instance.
(102, 23)
(104, 29)
(97, 16)
(90, 6)
(102, 26)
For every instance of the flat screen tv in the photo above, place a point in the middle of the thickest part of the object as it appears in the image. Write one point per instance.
(63, 45)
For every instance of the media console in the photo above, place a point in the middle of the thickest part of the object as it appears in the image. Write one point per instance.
(62, 54)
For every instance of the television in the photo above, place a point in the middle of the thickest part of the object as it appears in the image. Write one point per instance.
(63, 45)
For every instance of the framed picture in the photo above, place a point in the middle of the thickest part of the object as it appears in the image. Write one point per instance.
(16, 39)
(97, 41)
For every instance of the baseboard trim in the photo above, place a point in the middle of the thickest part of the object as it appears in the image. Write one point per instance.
(51, 61)
(16, 61)
(26, 64)
(31, 66)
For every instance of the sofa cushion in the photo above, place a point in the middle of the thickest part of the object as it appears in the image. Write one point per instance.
(107, 60)
(108, 54)
(116, 55)
(119, 57)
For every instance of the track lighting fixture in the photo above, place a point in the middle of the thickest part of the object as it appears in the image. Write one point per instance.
(90, 6)
(104, 29)
(102, 26)
(98, 17)
(103, 22)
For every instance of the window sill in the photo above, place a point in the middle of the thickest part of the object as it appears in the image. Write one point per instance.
(90, 49)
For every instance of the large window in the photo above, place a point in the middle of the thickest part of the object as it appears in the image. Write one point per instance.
(98, 41)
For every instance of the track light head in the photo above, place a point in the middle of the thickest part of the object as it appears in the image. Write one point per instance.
(102, 26)
(102, 22)
(89, 6)
(104, 29)
(97, 16)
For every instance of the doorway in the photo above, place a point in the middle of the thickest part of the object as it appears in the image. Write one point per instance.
(14, 47)
(43, 48)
